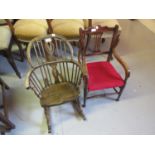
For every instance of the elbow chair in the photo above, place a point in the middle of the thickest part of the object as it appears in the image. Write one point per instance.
(101, 75)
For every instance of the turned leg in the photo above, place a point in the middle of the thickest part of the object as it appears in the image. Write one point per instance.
(120, 93)
(21, 50)
(85, 92)
(13, 65)
(11, 59)
(47, 115)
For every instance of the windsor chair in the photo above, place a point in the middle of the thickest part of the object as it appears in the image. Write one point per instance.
(56, 83)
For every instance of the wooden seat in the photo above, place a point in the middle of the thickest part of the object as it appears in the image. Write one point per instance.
(51, 97)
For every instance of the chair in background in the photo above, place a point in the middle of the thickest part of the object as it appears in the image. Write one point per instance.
(48, 48)
(69, 28)
(25, 30)
(5, 123)
(6, 43)
(100, 75)
(55, 83)
(105, 22)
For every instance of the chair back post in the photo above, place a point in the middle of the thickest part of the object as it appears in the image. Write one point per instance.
(114, 42)
(50, 29)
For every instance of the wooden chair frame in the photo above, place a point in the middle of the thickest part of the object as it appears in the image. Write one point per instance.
(8, 54)
(49, 48)
(54, 75)
(97, 33)
(4, 118)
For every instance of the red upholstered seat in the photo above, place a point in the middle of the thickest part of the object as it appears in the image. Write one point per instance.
(103, 75)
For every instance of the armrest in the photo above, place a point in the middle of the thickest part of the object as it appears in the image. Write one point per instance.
(27, 86)
(123, 64)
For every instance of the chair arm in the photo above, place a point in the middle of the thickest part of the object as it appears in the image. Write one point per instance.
(27, 86)
(123, 64)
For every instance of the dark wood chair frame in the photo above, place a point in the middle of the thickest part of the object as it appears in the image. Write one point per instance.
(21, 41)
(8, 53)
(87, 34)
(4, 117)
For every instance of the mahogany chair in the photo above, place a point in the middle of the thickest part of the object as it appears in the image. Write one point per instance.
(5, 123)
(55, 83)
(103, 74)
(7, 40)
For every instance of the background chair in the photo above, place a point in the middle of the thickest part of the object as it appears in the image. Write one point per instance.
(48, 48)
(100, 75)
(69, 28)
(5, 123)
(105, 22)
(25, 30)
(6, 43)
(55, 83)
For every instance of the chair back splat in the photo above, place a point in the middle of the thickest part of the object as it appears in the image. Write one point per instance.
(48, 48)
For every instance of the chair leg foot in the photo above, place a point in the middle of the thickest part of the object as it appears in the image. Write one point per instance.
(47, 115)
(13, 65)
(120, 93)
(84, 105)
(2, 133)
(49, 129)
(85, 96)
(79, 109)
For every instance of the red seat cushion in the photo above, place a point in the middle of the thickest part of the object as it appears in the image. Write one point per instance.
(103, 75)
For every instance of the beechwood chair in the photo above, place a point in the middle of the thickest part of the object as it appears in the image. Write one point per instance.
(54, 77)
(103, 74)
